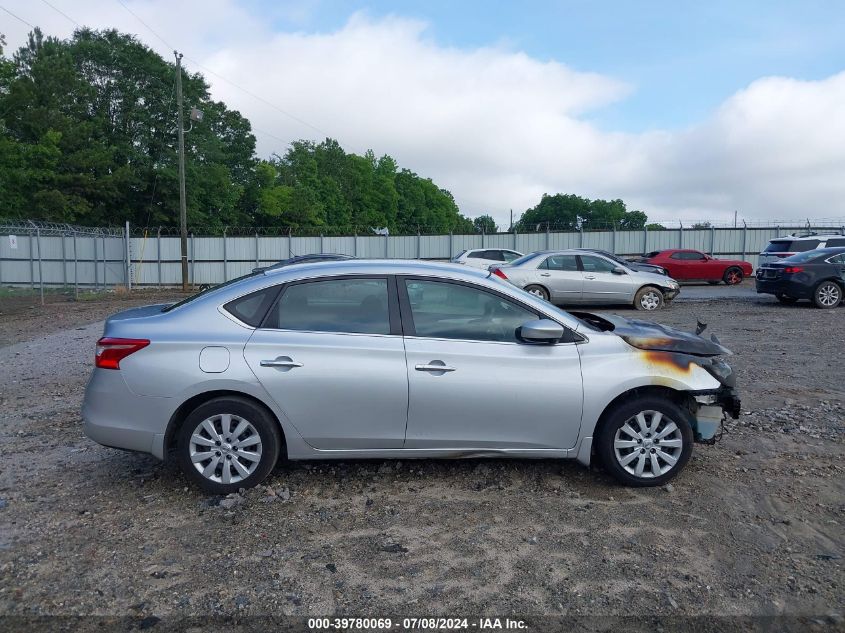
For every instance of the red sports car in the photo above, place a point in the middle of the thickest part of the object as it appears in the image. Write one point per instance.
(688, 265)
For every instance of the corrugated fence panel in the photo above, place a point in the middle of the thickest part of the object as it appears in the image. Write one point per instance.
(100, 261)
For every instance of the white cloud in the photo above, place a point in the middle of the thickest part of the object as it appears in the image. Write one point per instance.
(495, 126)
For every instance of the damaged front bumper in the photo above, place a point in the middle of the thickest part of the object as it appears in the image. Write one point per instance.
(713, 406)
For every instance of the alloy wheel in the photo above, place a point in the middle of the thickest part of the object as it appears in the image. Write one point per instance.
(648, 445)
(829, 295)
(225, 448)
(650, 300)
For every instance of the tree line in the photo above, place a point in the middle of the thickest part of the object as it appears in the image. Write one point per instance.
(87, 136)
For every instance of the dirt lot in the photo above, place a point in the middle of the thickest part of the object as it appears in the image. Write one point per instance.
(754, 526)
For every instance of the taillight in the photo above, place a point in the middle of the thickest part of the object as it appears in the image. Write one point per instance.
(498, 272)
(791, 270)
(110, 351)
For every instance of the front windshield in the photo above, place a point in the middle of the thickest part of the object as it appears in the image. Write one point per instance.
(202, 293)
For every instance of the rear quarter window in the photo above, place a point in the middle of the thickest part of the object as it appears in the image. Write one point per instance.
(251, 308)
(779, 246)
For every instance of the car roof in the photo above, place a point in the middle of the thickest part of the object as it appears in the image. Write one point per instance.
(797, 238)
(332, 268)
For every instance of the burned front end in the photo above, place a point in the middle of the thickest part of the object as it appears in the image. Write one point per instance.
(673, 358)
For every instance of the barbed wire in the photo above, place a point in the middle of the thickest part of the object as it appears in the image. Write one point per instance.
(23, 226)
(13, 227)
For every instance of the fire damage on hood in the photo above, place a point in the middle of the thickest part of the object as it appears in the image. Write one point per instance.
(653, 336)
(677, 351)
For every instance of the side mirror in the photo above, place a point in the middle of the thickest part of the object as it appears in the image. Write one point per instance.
(619, 271)
(541, 331)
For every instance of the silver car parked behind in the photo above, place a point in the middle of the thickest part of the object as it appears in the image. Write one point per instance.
(377, 359)
(577, 277)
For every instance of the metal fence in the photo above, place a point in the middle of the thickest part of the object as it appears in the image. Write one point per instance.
(52, 255)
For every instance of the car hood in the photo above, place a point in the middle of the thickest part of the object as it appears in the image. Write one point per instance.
(654, 336)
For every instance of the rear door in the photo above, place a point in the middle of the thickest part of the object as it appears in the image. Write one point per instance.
(472, 384)
(330, 354)
(561, 275)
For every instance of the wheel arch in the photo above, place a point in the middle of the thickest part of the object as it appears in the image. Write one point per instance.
(683, 399)
(184, 410)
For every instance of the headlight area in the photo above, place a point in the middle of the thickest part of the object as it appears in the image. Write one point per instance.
(715, 404)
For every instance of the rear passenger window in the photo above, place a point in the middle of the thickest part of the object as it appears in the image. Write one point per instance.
(801, 246)
(333, 305)
(251, 308)
(560, 262)
(836, 241)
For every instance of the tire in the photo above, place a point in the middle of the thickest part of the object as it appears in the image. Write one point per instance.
(204, 432)
(790, 301)
(649, 298)
(733, 276)
(828, 294)
(538, 291)
(622, 428)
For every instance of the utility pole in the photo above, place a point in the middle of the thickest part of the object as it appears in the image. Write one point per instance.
(183, 211)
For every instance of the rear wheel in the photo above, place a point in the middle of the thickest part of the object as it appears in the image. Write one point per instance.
(648, 298)
(645, 441)
(787, 300)
(828, 294)
(538, 291)
(733, 276)
(228, 443)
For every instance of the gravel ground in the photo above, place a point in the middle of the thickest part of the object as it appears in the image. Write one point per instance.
(754, 525)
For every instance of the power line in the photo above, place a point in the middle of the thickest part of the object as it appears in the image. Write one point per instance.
(259, 98)
(62, 13)
(20, 19)
(147, 26)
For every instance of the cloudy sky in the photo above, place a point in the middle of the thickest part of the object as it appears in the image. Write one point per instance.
(687, 110)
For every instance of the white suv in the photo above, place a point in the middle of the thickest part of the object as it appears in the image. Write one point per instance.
(789, 245)
(484, 257)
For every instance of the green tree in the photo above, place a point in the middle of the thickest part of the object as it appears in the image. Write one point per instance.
(485, 224)
(568, 212)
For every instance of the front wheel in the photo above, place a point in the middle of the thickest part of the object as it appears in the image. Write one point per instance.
(228, 443)
(645, 441)
(538, 291)
(733, 276)
(648, 298)
(828, 294)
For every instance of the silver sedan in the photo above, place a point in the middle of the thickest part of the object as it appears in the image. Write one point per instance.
(577, 277)
(376, 359)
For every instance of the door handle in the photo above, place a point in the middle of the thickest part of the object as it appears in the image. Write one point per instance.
(545, 274)
(431, 367)
(589, 277)
(283, 361)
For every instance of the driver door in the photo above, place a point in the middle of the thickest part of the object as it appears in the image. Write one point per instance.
(471, 384)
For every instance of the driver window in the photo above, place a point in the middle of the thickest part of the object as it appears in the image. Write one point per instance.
(454, 311)
(596, 265)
